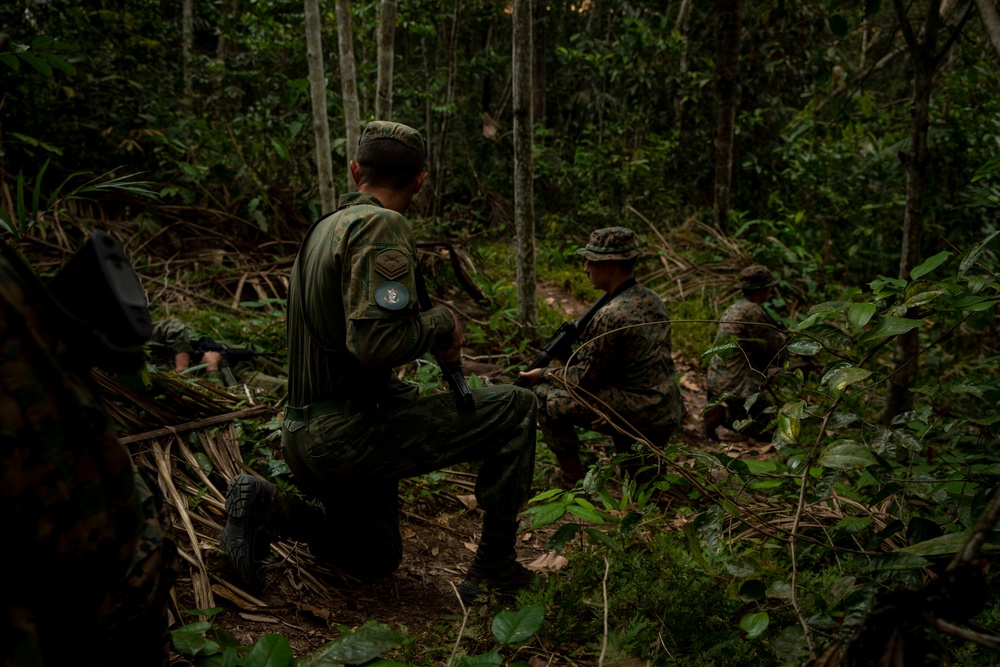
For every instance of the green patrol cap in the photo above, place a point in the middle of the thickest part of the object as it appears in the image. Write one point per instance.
(404, 134)
(756, 276)
(610, 243)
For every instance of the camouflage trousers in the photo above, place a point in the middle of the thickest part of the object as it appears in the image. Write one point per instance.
(559, 413)
(351, 463)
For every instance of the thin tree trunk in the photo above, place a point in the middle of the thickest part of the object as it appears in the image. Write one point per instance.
(349, 84)
(386, 54)
(991, 20)
(321, 123)
(539, 79)
(680, 27)
(187, 46)
(449, 99)
(524, 197)
(915, 161)
(726, 69)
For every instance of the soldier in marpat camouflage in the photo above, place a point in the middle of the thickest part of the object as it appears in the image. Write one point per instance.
(623, 365)
(353, 429)
(742, 374)
(89, 554)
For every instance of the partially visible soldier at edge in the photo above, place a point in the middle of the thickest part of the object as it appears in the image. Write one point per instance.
(89, 554)
(353, 429)
(629, 368)
(746, 370)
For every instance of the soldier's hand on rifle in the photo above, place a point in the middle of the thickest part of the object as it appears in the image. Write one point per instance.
(448, 349)
(532, 377)
(182, 361)
(212, 360)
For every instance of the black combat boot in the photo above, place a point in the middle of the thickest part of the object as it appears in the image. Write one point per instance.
(495, 568)
(247, 536)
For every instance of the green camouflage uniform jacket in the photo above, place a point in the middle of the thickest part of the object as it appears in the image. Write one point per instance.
(354, 287)
(745, 370)
(89, 552)
(628, 367)
(347, 258)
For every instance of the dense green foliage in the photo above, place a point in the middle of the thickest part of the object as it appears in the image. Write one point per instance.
(714, 559)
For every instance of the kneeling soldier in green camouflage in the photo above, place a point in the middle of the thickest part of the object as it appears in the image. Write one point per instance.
(761, 344)
(623, 368)
(353, 429)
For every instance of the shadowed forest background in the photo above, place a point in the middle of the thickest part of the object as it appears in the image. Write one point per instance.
(851, 146)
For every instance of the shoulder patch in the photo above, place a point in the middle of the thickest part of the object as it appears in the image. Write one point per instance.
(392, 295)
(391, 263)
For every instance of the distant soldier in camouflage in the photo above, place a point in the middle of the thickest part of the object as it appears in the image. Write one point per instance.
(353, 429)
(623, 366)
(744, 372)
(88, 554)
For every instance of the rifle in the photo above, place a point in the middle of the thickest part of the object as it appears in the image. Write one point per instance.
(560, 345)
(452, 371)
(230, 356)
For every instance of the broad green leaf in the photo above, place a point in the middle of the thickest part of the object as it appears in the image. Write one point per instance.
(973, 255)
(890, 326)
(514, 627)
(280, 149)
(724, 348)
(993, 164)
(42, 42)
(846, 455)
(860, 313)
(366, 643)
(919, 298)
(58, 63)
(731, 509)
(548, 514)
(270, 651)
(694, 544)
(187, 643)
(11, 61)
(587, 514)
(484, 660)
(37, 63)
(938, 546)
(755, 624)
(804, 347)
(562, 537)
(840, 378)
(789, 424)
(929, 265)
(898, 560)
(545, 495)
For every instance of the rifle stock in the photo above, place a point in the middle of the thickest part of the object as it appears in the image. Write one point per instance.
(560, 344)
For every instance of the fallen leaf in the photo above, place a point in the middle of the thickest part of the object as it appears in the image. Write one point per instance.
(469, 501)
(259, 618)
(435, 551)
(319, 612)
(409, 534)
(470, 546)
(550, 562)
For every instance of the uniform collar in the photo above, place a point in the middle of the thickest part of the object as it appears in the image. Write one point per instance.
(356, 198)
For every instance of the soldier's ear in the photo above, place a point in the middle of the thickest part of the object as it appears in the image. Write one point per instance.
(418, 181)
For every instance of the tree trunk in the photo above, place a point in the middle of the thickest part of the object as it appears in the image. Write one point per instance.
(991, 20)
(321, 123)
(904, 363)
(681, 29)
(438, 156)
(187, 46)
(539, 80)
(386, 53)
(726, 70)
(524, 197)
(349, 84)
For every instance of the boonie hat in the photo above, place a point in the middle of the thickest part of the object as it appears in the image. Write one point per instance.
(610, 243)
(756, 276)
(404, 134)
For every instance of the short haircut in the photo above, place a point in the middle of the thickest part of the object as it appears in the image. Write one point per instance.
(388, 163)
